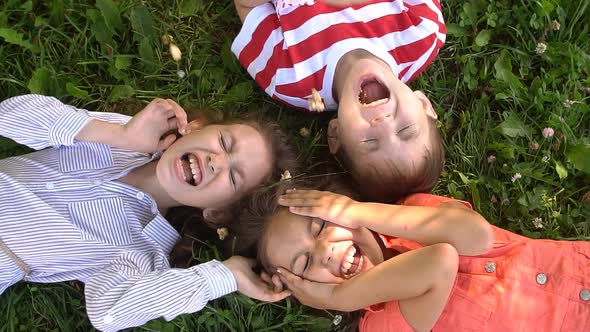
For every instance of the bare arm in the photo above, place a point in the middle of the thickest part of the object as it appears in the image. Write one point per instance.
(450, 222)
(421, 280)
(243, 7)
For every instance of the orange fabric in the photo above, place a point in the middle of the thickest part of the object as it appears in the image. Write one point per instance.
(509, 298)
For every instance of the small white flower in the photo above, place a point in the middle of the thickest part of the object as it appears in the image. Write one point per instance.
(538, 223)
(175, 52)
(223, 232)
(516, 176)
(541, 48)
(286, 176)
(555, 25)
(181, 73)
(568, 103)
(337, 319)
(304, 132)
(546, 159)
(491, 158)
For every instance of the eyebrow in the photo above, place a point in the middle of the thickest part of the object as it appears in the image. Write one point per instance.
(300, 254)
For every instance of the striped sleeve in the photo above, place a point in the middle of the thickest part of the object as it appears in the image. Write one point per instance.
(127, 294)
(39, 121)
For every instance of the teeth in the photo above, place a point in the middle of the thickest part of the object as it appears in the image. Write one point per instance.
(346, 266)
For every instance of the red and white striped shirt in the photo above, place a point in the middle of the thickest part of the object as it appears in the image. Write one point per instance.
(294, 46)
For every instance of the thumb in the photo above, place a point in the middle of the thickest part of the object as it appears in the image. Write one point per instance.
(165, 143)
(287, 277)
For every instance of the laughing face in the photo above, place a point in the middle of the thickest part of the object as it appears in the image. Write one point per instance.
(379, 117)
(215, 165)
(318, 250)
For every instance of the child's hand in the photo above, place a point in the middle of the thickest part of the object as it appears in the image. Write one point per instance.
(249, 283)
(144, 132)
(313, 294)
(335, 208)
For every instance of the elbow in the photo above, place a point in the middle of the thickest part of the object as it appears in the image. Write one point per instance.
(483, 237)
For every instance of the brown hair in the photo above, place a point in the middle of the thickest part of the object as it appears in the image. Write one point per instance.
(397, 182)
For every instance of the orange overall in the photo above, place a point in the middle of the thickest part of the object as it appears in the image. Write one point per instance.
(522, 284)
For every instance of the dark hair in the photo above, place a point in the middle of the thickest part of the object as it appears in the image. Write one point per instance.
(397, 182)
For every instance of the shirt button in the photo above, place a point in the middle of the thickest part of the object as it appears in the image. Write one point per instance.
(140, 195)
(490, 267)
(50, 185)
(108, 319)
(541, 278)
(585, 295)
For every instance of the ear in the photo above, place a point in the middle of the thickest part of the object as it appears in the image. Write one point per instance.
(194, 126)
(333, 136)
(426, 105)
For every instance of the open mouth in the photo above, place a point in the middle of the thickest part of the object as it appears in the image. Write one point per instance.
(373, 93)
(190, 169)
(352, 262)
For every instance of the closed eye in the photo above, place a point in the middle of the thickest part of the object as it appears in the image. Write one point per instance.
(225, 147)
(322, 227)
(371, 144)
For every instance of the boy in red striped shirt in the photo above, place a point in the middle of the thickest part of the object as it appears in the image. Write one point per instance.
(358, 55)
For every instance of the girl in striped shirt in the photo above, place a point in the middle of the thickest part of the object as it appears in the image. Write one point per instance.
(89, 204)
(354, 56)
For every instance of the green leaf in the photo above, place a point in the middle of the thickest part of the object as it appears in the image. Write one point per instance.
(579, 156)
(146, 54)
(190, 7)
(512, 126)
(456, 30)
(14, 37)
(111, 14)
(40, 82)
(503, 71)
(123, 61)
(121, 92)
(100, 29)
(75, 91)
(483, 38)
(142, 22)
(561, 171)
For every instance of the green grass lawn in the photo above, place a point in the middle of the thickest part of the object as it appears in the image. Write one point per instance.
(509, 69)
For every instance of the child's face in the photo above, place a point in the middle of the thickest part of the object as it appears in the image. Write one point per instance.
(380, 119)
(215, 165)
(317, 250)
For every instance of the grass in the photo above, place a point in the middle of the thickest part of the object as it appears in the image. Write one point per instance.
(493, 91)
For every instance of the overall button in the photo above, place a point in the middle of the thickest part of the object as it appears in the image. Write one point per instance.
(140, 195)
(585, 295)
(490, 267)
(50, 185)
(541, 278)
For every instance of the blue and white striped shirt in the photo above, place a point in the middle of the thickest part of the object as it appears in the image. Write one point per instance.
(65, 216)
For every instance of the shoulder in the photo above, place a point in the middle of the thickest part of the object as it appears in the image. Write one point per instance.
(423, 199)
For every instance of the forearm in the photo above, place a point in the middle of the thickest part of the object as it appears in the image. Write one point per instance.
(121, 297)
(463, 228)
(103, 132)
(405, 276)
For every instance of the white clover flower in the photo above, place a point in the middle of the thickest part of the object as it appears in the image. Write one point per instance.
(491, 158)
(541, 48)
(337, 319)
(286, 176)
(181, 73)
(555, 25)
(222, 232)
(515, 177)
(175, 52)
(548, 132)
(538, 223)
(546, 159)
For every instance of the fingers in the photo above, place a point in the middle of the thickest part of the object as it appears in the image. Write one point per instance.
(301, 198)
(278, 284)
(288, 278)
(274, 297)
(172, 111)
(163, 144)
(180, 115)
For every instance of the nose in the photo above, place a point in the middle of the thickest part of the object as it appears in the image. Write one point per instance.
(323, 252)
(217, 162)
(381, 119)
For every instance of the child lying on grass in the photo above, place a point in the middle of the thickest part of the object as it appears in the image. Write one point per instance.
(87, 207)
(358, 55)
(426, 263)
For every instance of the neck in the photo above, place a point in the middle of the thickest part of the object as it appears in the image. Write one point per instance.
(343, 68)
(144, 178)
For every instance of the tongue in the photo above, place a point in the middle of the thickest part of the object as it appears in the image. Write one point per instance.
(372, 91)
(187, 170)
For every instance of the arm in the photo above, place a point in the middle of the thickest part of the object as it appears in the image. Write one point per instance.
(128, 293)
(421, 280)
(450, 222)
(243, 7)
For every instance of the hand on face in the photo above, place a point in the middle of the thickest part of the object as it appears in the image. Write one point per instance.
(313, 294)
(144, 131)
(252, 285)
(328, 206)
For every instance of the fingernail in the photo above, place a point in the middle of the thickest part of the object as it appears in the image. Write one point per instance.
(279, 271)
